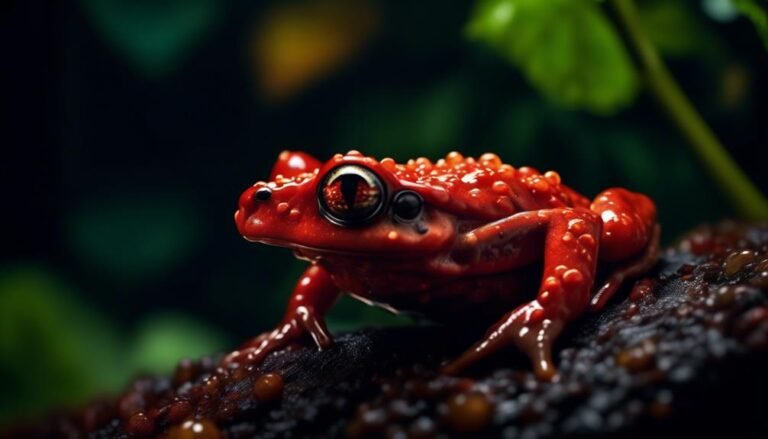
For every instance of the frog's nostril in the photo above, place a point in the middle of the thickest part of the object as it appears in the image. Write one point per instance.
(262, 194)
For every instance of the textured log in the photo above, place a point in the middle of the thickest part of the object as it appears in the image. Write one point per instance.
(681, 351)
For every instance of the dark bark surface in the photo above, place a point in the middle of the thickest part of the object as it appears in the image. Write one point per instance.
(682, 351)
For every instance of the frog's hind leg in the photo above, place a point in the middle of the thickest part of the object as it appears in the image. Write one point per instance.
(633, 268)
(570, 254)
(630, 237)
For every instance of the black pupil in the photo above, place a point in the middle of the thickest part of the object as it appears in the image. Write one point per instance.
(407, 206)
(349, 188)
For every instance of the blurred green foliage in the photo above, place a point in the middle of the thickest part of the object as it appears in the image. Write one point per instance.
(55, 349)
(135, 262)
(757, 11)
(154, 35)
(428, 120)
(134, 237)
(160, 340)
(566, 48)
(666, 19)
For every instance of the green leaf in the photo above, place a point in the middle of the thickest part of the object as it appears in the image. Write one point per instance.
(154, 35)
(566, 48)
(757, 11)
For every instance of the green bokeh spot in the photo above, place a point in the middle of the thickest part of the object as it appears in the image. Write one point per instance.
(426, 122)
(162, 340)
(154, 35)
(53, 349)
(134, 237)
(675, 30)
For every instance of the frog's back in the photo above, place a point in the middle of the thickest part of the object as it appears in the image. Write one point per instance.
(485, 188)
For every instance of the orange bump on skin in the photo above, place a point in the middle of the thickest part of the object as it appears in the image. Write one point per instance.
(552, 283)
(540, 185)
(505, 203)
(573, 277)
(536, 315)
(388, 163)
(560, 270)
(544, 297)
(577, 226)
(500, 187)
(490, 160)
(527, 171)
(587, 240)
(442, 195)
(553, 177)
(295, 214)
(282, 207)
(506, 170)
(454, 158)
(393, 235)
(568, 237)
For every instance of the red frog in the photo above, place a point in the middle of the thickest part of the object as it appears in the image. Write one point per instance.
(453, 238)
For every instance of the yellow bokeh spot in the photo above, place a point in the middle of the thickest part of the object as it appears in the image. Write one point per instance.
(296, 44)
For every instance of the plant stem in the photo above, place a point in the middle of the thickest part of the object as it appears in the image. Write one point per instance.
(744, 196)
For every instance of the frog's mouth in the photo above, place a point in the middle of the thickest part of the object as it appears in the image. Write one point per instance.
(289, 217)
(318, 250)
(315, 237)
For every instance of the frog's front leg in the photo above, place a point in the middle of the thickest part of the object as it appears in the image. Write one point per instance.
(570, 255)
(312, 297)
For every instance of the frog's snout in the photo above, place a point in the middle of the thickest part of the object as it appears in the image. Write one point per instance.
(250, 201)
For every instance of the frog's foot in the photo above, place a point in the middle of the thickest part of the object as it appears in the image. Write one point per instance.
(528, 329)
(295, 328)
(634, 268)
(570, 257)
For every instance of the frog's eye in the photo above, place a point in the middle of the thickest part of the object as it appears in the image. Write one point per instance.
(407, 206)
(350, 195)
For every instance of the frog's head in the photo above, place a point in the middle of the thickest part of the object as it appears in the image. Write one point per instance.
(350, 204)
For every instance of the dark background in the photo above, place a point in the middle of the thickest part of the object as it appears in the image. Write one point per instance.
(130, 131)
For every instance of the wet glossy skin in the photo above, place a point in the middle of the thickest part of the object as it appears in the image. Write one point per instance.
(452, 238)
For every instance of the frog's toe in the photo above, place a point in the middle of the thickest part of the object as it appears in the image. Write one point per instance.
(256, 349)
(534, 337)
